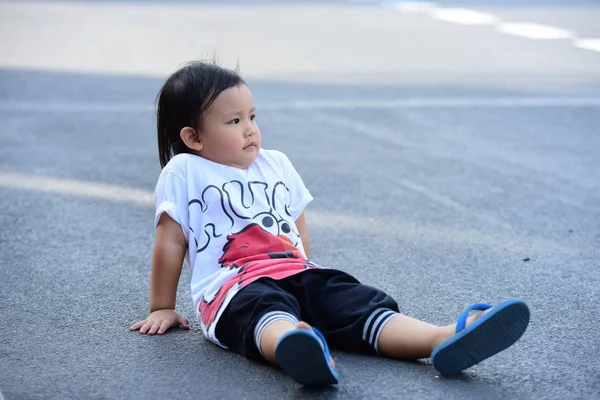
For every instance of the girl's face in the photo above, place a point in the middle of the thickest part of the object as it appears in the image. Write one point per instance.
(229, 133)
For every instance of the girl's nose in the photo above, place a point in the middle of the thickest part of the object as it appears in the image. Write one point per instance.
(250, 130)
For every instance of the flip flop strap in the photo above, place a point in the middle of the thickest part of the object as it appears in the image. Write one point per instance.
(323, 342)
(462, 320)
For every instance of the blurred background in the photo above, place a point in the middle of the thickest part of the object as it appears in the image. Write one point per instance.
(451, 147)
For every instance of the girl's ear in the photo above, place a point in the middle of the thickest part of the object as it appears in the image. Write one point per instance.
(191, 138)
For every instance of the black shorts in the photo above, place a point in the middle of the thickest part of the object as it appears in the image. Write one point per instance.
(349, 314)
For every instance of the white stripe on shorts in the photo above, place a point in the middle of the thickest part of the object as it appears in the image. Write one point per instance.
(375, 324)
(267, 319)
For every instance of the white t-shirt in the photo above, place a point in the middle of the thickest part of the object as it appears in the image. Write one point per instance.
(239, 225)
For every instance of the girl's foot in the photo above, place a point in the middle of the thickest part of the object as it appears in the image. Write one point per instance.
(303, 354)
(481, 336)
(446, 332)
(305, 326)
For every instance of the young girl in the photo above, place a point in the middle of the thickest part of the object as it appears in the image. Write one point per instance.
(235, 213)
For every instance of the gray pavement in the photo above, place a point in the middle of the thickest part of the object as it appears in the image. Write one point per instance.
(460, 167)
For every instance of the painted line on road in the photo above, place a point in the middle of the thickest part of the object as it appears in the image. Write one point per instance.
(405, 103)
(77, 188)
(65, 106)
(469, 17)
(535, 31)
(463, 16)
(405, 231)
(588, 44)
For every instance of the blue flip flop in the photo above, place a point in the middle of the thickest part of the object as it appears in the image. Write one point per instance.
(304, 356)
(488, 335)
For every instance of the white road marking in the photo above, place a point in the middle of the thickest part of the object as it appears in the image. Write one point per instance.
(64, 106)
(588, 44)
(463, 16)
(77, 188)
(406, 103)
(535, 31)
(401, 230)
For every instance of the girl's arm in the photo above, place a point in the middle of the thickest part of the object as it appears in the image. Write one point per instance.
(167, 260)
(169, 252)
(303, 230)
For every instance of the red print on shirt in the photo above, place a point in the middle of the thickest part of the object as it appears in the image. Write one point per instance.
(255, 253)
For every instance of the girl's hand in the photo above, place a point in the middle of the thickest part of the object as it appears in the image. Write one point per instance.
(160, 321)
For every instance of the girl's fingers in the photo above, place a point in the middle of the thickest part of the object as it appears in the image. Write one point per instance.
(137, 325)
(154, 328)
(146, 326)
(159, 326)
(184, 323)
(163, 327)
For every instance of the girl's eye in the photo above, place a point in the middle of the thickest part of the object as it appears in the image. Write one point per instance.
(252, 117)
(234, 121)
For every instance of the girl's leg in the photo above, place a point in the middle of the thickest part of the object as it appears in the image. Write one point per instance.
(408, 338)
(350, 315)
(257, 317)
(357, 317)
(271, 335)
(262, 323)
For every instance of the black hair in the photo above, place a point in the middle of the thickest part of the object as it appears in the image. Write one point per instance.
(182, 100)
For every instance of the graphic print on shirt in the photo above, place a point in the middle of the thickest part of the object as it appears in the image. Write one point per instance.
(266, 209)
(254, 253)
(265, 246)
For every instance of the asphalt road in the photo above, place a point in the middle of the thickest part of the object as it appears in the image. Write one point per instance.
(450, 164)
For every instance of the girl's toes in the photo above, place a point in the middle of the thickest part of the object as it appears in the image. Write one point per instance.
(304, 325)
